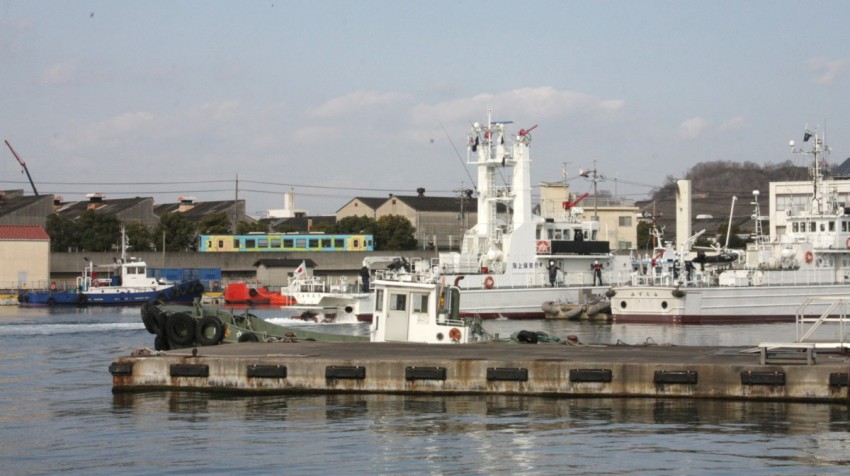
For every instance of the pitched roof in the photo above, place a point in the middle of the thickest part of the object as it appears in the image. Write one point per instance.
(440, 204)
(73, 210)
(22, 232)
(11, 204)
(198, 210)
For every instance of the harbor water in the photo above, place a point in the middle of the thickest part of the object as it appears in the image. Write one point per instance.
(58, 414)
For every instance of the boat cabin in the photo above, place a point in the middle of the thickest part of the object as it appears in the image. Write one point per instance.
(406, 311)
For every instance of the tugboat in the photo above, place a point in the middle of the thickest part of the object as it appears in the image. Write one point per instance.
(404, 311)
(125, 282)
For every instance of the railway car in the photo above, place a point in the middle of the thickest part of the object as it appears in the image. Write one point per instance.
(257, 242)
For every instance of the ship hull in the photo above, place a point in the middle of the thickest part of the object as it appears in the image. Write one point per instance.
(717, 305)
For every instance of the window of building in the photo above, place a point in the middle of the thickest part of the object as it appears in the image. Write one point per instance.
(624, 245)
(626, 221)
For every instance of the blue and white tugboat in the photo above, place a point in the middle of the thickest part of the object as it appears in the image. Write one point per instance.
(124, 282)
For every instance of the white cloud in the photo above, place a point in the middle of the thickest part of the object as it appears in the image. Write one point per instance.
(733, 124)
(59, 73)
(531, 103)
(357, 103)
(216, 111)
(829, 71)
(693, 128)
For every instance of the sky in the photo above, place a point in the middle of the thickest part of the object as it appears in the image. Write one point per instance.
(337, 99)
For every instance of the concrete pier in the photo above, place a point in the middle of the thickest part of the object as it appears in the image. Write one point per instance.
(489, 368)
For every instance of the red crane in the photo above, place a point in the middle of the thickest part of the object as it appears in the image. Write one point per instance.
(24, 165)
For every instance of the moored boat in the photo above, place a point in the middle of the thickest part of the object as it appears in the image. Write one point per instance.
(503, 267)
(766, 282)
(123, 283)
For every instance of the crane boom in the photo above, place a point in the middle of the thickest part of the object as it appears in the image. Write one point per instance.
(24, 165)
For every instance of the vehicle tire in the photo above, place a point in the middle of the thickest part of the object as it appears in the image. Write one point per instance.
(253, 292)
(209, 331)
(149, 315)
(249, 337)
(180, 328)
(161, 343)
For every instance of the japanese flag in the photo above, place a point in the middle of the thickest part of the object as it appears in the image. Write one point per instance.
(301, 269)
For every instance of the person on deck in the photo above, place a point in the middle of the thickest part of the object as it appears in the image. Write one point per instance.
(553, 272)
(597, 272)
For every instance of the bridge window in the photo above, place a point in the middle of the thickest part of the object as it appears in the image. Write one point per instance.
(813, 227)
(420, 302)
(796, 227)
(832, 226)
(379, 299)
(398, 302)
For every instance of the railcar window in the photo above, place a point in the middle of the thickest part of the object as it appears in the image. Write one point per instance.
(275, 242)
(263, 242)
(301, 243)
(288, 243)
(250, 243)
(355, 243)
(339, 243)
(314, 243)
(236, 243)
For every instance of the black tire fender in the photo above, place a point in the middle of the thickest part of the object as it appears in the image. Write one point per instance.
(205, 324)
(180, 328)
(249, 337)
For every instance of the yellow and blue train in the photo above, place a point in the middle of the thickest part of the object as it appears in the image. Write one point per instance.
(259, 242)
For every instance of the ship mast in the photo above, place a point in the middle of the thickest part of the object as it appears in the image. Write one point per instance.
(819, 152)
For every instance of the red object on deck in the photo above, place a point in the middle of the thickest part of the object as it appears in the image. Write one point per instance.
(241, 293)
